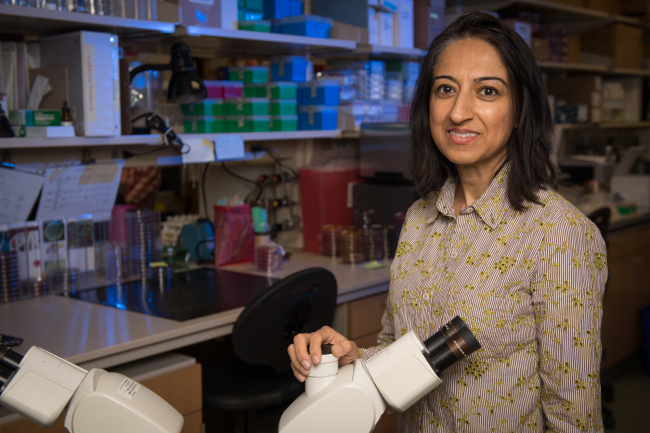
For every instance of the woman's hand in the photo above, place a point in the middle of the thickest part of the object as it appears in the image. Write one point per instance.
(301, 361)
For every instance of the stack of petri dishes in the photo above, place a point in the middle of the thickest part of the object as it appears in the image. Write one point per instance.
(390, 241)
(269, 257)
(331, 234)
(372, 239)
(9, 279)
(144, 239)
(351, 246)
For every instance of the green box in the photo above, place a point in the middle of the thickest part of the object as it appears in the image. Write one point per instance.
(248, 123)
(255, 90)
(241, 3)
(257, 5)
(283, 90)
(19, 119)
(263, 26)
(204, 124)
(47, 117)
(249, 74)
(207, 107)
(281, 107)
(283, 123)
(247, 107)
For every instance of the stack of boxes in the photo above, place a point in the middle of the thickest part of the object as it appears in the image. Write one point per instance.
(250, 112)
(281, 16)
(318, 103)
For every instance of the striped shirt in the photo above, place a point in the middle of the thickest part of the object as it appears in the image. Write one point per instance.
(529, 285)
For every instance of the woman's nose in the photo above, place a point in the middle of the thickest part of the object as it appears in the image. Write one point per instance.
(462, 109)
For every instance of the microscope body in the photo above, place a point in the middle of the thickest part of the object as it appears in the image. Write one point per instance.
(40, 386)
(351, 399)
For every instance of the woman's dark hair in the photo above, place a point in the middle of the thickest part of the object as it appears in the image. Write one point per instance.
(530, 145)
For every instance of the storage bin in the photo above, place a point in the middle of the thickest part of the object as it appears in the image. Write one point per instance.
(249, 15)
(320, 92)
(207, 107)
(307, 25)
(247, 123)
(283, 123)
(317, 117)
(263, 26)
(250, 74)
(281, 107)
(289, 68)
(247, 107)
(282, 90)
(295, 7)
(204, 124)
(233, 89)
(257, 5)
(256, 90)
(214, 88)
(275, 9)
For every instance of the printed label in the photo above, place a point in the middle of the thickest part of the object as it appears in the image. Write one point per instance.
(89, 66)
(128, 388)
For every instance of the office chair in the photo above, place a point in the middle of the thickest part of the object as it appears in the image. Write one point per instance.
(260, 376)
(600, 217)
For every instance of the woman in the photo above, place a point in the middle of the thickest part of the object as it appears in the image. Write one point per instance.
(492, 243)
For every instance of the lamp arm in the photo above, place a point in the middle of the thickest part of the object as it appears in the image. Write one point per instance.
(135, 71)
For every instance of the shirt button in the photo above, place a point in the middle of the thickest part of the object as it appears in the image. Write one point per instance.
(454, 255)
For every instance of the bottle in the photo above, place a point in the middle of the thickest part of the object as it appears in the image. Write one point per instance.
(66, 118)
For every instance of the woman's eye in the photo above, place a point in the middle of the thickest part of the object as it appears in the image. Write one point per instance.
(444, 89)
(489, 91)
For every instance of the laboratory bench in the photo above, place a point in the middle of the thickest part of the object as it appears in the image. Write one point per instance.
(97, 329)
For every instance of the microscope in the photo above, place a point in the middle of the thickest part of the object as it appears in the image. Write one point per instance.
(351, 399)
(40, 386)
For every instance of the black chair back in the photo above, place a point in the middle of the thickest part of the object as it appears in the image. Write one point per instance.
(302, 302)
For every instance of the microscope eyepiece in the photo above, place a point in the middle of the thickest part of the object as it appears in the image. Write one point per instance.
(10, 359)
(454, 342)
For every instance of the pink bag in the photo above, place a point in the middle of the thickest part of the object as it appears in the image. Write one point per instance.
(234, 237)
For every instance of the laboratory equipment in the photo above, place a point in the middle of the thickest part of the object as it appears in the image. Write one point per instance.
(40, 386)
(352, 398)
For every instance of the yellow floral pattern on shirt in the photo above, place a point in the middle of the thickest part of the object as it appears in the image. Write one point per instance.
(529, 285)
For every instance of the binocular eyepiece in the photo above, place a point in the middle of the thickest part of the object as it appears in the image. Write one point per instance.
(454, 342)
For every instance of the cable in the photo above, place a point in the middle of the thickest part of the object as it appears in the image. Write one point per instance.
(235, 175)
(170, 139)
(274, 155)
(205, 201)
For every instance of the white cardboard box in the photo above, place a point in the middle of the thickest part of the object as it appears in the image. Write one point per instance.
(633, 187)
(385, 28)
(94, 82)
(403, 30)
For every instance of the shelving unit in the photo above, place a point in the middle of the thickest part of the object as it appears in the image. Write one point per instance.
(43, 22)
(386, 52)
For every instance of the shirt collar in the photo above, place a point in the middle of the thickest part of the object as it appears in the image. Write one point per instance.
(490, 207)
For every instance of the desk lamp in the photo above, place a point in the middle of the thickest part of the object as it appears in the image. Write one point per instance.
(185, 86)
(351, 399)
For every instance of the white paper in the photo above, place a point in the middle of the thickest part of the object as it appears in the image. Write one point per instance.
(78, 190)
(19, 192)
(229, 147)
(201, 150)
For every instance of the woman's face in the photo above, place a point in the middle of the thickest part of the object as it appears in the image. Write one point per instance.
(471, 111)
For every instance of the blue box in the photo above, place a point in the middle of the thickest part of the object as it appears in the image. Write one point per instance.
(410, 71)
(317, 117)
(276, 26)
(295, 7)
(289, 68)
(307, 25)
(275, 9)
(321, 92)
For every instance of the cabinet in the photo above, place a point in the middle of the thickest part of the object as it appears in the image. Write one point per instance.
(628, 289)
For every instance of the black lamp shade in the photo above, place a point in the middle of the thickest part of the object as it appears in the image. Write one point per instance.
(185, 86)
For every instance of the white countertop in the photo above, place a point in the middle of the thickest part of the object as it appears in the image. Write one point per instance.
(93, 335)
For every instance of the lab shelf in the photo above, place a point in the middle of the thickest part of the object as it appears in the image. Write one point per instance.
(42, 22)
(383, 51)
(605, 125)
(154, 139)
(247, 42)
(585, 67)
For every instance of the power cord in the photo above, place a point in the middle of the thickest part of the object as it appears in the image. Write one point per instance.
(169, 137)
(235, 175)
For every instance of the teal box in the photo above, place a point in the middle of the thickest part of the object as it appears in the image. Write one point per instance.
(248, 123)
(282, 90)
(281, 107)
(207, 107)
(204, 124)
(249, 74)
(283, 123)
(247, 107)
